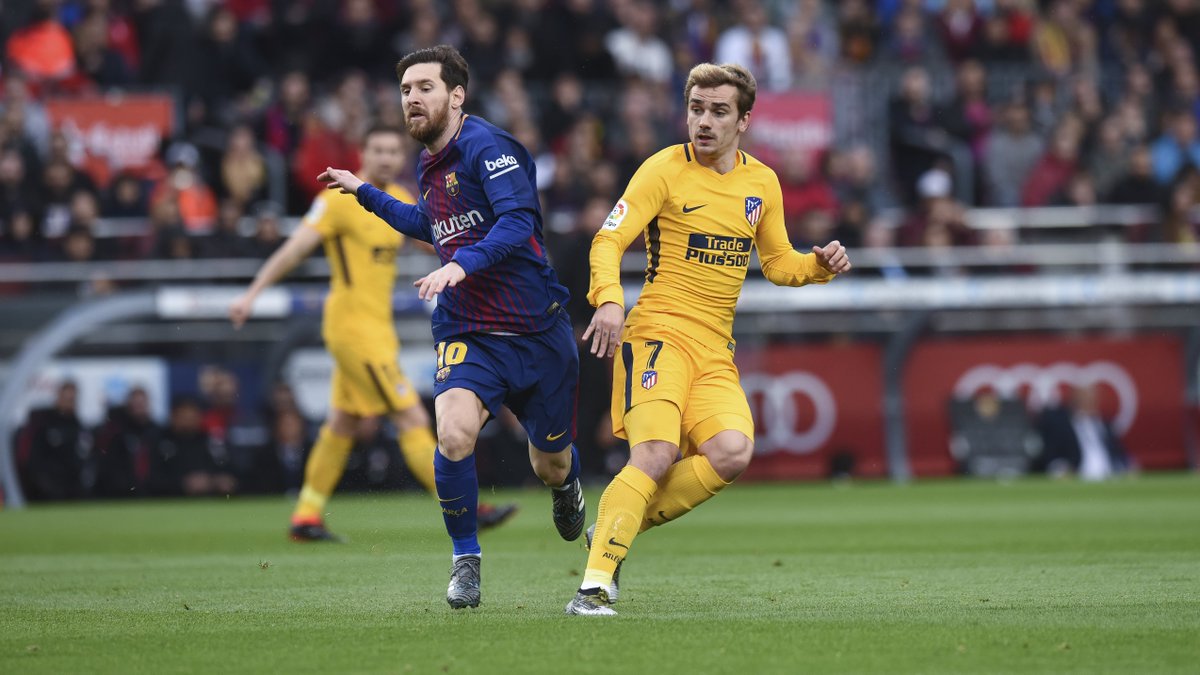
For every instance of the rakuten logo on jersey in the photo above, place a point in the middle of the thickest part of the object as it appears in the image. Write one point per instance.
(449, 228)
(501, 165)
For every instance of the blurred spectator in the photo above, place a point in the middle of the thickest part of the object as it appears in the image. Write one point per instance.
(167, 44)
(992, 436)
(1052, 171)
(970, 114)
(228, 64)
(42, 49)
(126, 198)
(813, 39)
(1108, 158)
(268, 235)
(938, 223)
(636, 47)
(183, 461)
(1138, 185)
(858, 31)
(1177, 147)
(124, 444)
(53, 447)
(60, 181)
(100, 64)
(754, 43)
(919, 137)
(234, 434)
(279, 465)
(1180, 224)
(16, 192)
(19, 241)
(1080, 190)
(998, 44)
(363, 39)
(1063, 41)
(283, 120)
(856, 178)
(226, 240)
(1079, 440)
(196, 204)
(806, 188)
(243, 169)
(909, 41)
(960, 27)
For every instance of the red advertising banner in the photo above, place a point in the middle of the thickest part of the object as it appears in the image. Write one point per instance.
(812, 404)
(114, 133)
(1139, 382)
(789, 122)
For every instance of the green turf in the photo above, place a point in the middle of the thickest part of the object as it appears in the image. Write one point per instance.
(932, 577)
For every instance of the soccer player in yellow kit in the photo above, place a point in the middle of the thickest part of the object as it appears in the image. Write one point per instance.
(359, 333)
(702, 206)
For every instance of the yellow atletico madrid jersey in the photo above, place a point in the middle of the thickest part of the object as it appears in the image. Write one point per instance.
(361, 250)
(700, 228)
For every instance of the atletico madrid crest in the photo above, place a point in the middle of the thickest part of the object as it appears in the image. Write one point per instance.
(452, 184)
(649, 379)
(754, 209)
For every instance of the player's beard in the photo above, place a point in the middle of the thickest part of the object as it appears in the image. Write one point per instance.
(430, 129)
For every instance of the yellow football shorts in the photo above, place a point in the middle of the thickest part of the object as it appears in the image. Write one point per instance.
(367, 380)
(687, 392)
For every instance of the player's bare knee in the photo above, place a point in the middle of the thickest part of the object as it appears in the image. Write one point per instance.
(729, 452)
(653, 458)
(456, 439)
(550, 467)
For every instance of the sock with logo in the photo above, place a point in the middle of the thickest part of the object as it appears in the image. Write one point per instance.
(322, 472)
(458, 494)
(574, 472)
(618, 516)
(418, 446)
(687, 484)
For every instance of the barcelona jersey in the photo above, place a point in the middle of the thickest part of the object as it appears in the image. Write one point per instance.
(478, 206)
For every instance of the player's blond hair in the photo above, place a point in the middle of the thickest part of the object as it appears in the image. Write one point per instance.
(711, 75)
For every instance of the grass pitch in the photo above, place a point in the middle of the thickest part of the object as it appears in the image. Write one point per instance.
(934, 577)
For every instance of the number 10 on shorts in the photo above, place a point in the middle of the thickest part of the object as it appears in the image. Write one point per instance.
(450, 354)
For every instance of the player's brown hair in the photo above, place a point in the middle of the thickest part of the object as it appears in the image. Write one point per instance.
(454, 66)
(710, 75)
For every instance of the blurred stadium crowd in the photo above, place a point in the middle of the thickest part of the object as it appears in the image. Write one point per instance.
(1103, 108)
(975, 103)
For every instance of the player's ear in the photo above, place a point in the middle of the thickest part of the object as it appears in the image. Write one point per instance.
(457, 96)
(744, 123)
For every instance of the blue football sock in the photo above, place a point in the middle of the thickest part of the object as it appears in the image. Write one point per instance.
(458, 493)
(574, 472)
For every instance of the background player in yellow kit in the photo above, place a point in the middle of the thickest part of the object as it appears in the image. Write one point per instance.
(702, 206)
(359, 333)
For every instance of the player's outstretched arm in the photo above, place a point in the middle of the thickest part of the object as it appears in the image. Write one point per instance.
(297, 247)
(784, 266)
(406, 219)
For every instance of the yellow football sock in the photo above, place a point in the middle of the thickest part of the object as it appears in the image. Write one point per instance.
(418, 445)
(322, 472)
(617, 517)
(687, 484)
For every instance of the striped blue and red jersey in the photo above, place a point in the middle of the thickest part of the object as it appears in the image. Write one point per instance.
(479, 207)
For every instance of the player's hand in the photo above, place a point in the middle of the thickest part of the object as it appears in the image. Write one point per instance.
(833, 257)
(605, 329)
(436, 281)
(239, 310)
(340, 179)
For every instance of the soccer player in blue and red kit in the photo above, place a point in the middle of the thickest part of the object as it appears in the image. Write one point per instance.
(502, 333)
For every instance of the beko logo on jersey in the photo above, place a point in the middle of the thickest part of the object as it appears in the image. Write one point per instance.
(501, 165)
(712, 249)
(449, 228)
